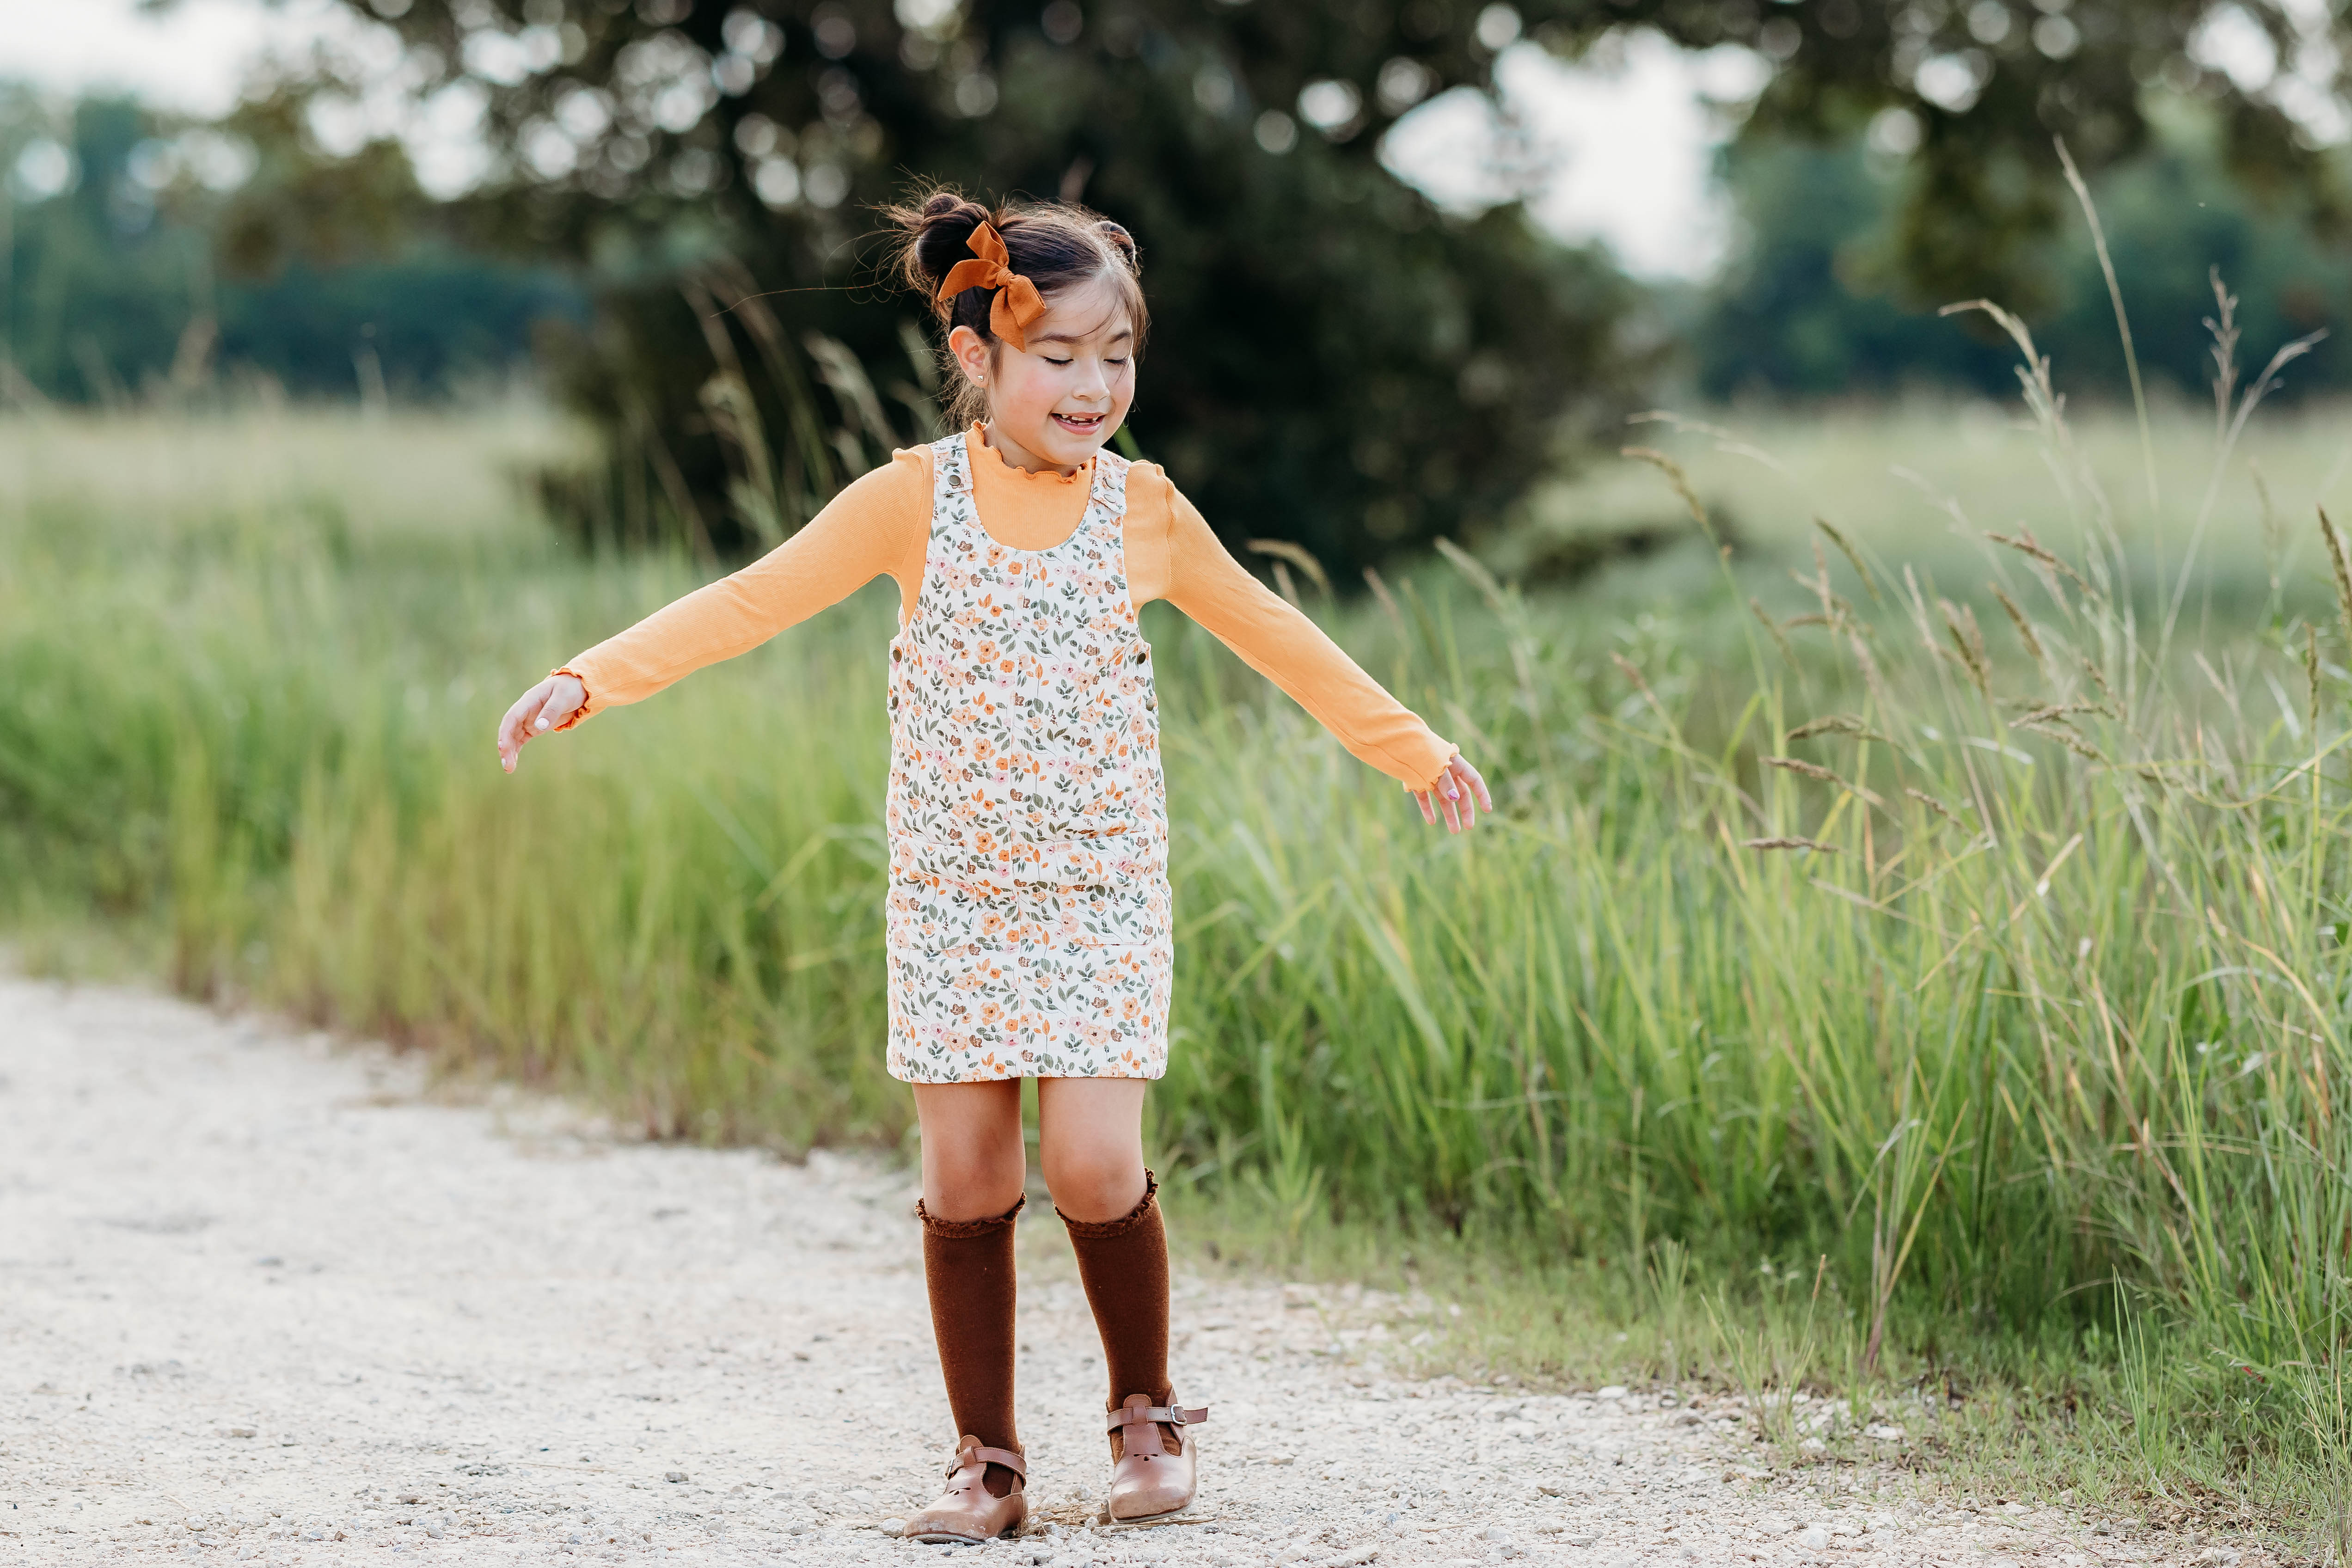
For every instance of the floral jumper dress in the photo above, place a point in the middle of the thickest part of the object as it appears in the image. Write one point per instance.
(1028, 928)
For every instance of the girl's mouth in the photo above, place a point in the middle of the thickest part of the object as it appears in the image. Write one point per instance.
(1081, 423)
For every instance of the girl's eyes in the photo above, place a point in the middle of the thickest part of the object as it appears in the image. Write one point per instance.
(1063, 363)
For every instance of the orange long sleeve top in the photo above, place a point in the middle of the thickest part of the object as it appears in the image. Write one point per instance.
(880, 523)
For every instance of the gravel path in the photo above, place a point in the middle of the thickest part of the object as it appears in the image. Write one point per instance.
(266, 1299)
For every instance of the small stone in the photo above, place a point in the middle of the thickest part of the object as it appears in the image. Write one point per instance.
(674, 1475)
(894, 1527)
(1615, 1391)
(1882, 1432)
(1813, 1538)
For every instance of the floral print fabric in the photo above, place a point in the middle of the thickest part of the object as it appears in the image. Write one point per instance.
(1029, 931)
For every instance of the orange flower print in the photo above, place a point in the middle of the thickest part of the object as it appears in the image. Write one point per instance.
(1022, 746)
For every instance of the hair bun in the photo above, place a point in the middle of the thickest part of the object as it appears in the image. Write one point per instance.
(1120, 240)
(943, 232)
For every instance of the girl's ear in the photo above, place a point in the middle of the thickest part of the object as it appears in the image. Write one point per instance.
(971, 353)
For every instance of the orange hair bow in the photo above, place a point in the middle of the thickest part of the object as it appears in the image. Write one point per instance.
(1017, 301)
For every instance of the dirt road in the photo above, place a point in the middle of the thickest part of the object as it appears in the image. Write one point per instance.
(262, 1299)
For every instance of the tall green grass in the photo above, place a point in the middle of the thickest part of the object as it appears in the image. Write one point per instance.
(1971, 940)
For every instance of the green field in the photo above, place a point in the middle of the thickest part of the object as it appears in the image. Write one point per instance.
(2013, 1066)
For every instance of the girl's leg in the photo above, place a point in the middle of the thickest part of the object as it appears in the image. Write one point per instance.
(1090, 1141)
(973, 1171)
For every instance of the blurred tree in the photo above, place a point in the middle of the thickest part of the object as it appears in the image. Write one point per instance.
(1813, 302)
(1334, 362)
(140, 249)
(1339, 363)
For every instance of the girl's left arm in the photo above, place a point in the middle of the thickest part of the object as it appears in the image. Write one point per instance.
(1274, 638)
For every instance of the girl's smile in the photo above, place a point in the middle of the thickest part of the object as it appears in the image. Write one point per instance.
(1052, 404)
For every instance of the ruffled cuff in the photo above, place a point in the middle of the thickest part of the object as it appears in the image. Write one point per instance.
(587, 699)
(1430, 783)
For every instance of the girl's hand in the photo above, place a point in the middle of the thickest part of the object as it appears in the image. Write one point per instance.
(537, 712)
(1454, 792)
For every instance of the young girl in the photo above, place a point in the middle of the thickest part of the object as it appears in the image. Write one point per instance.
(1028, 930)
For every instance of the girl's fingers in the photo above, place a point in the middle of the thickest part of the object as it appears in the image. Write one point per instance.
(511, 736)
(1477, 783)
(564, 699)
(517, 727)
(558, 711)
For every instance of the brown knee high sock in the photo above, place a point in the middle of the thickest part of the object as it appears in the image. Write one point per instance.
(1123, 1264)
(968, 1269)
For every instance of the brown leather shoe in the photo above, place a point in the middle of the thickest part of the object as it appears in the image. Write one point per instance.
(1151, 1479)
(966, 1511)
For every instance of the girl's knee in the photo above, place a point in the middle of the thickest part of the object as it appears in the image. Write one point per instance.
(975, 1181)
(1095, 1183)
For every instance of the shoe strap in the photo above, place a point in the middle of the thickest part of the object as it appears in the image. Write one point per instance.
(974, 1454)
(1143, 1414)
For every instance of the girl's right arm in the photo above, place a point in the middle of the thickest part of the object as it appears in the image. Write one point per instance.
(879, 523)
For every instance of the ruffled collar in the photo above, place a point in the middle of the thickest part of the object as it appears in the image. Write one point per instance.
(976, 444)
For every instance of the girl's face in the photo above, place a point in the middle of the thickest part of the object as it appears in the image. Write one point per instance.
(1059, 401)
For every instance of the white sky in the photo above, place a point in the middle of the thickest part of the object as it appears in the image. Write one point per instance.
(1620, 151)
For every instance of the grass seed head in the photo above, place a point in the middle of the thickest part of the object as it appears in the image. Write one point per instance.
(1788, 844)
(2017, 618)
(2343, 573)
(1932, 804)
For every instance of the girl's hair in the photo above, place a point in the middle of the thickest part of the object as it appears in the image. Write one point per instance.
(1058, 245)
